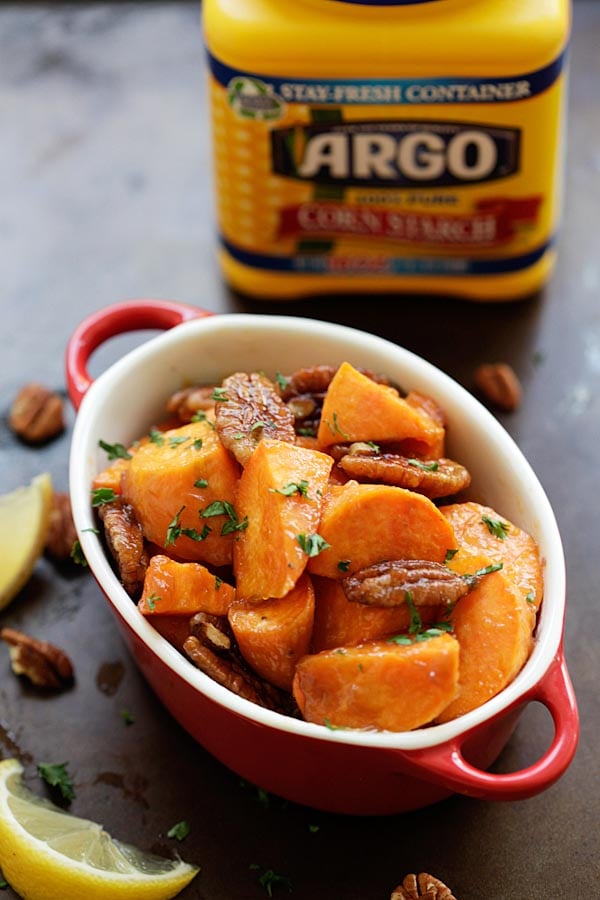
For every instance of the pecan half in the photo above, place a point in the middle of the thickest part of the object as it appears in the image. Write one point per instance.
(386, 584)
(213, 631)
(36, 414)
(316, 380)
(61, 531)
(125, 540)
(41, 662)
(186, 403)
(499, 385)
(249, 410)
(422, 887)
(433, 478)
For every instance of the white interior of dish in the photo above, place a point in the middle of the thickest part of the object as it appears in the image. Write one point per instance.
(130, 397)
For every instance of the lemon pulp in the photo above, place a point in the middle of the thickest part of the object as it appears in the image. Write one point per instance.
(24, 521)
(49, 854)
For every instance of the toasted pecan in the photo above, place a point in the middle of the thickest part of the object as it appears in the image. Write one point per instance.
(387, 583)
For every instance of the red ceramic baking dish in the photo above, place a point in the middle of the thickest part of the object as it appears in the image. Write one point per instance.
(354, 772)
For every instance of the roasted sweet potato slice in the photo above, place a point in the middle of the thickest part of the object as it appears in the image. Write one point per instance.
(280, 493)
(480, 530)
(183, 589)
(369, 523)
(274, 634)
(383, 685)
(358, 409)
(182, 485)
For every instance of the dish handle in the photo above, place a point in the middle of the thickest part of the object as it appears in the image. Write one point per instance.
(446, 765)
(110, 321)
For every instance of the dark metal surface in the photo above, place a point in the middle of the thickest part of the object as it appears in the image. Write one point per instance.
(106, 194)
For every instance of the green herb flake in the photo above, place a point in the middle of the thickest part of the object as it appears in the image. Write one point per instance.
(399, 639)
(343, 565)
(197, 445)
(92, 530)
(156, 437)
(450, 554)
(200, 416)
(152, 600)
(416, 623)
(201, 483)
(220, 395)
(216, 508)
(270, 879)
(292, 487)
(306, 432)
(281, 380)
(173, 528)
(127, 717)
(429, 633)
(77, 555)
(115, 451)
(373, 446)
(427, 467)
(487, 570)
(335, 428)
(312, 544)
(496, 527)
(261, 424)
(3, 883)
(176, 441)
(100, 496)
(56, 775)
(179, 831)
(530, 597)
(218, 582)
(314, 828)
(328, 724)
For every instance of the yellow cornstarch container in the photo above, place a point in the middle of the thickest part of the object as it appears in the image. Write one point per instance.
(387, 146)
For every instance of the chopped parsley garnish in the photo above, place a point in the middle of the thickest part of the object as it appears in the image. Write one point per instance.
(218, 582)
(328, 724)
(306, 432)
(399, 639)
(428, 467)
(3, 882)
(312, 544)
(314, 828)
(115, 451)
(224, 508)
(197, 445)
(156, 437)
(487, 570)
(174, 530)
(179, 831)
(416, 623)
(281, 380)
(261, 424)
(292, 487)
(220, 395)
(201, 483)
(270, 879)
(100, 496)
(450, 554)
(496, 527)
(176, 441)
(56, 775)
(530, 597)
(93, 530)
(152, 600)
(373, 446)
(343, 565)
(335, 428)
(127, 717)
(200, 416)
(76, 554)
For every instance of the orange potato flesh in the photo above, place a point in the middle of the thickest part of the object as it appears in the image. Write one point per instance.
(493, 625)
(341, 623)
(518, 552)
(163, 477)
(358, 409)
(274, 634)
(268, 559)
(112, 476)
(379, 685)
(183, 589)
(369, 523)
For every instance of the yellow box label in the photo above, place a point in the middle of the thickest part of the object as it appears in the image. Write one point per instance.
(424, 176)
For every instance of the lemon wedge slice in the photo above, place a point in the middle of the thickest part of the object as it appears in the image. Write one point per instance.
(48, 854)
(24, 522)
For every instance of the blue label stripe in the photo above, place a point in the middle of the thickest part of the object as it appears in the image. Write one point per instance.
(440, 265)
(400, 91)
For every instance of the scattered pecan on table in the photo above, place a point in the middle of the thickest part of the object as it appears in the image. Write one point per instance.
(36, 414)
(499, 385)
(422, 887)
(42, 663)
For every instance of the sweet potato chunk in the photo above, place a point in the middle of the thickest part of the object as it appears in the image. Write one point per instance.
(358, 409)
(493, 625)
(381, 684)
(474, 526)
(112, 476)
(173, 482)
(369, 523)
(274, 634)
(280, 492)
(183, 589)
(340, 623)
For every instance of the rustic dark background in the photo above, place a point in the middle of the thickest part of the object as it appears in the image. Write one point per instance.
(106, 194)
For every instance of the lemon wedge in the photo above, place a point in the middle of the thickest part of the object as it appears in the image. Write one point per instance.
(48, 854)
(24, 522)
